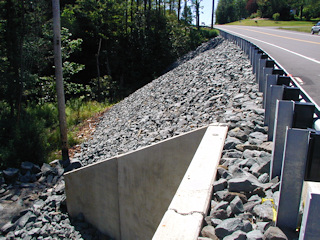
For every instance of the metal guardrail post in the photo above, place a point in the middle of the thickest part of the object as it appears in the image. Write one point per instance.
(284, 118)
(253, 58)
(267, 82)
(265, 68)
(293, 169)
(270, 81)
(288, 114)
(276, 93)
(259, 67)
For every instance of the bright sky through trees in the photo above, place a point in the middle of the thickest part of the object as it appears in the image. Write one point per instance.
(206, 11)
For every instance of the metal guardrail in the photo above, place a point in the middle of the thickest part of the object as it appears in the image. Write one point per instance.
(293, 120)
(248, 46)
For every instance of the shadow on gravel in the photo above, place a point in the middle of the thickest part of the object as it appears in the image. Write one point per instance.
(211, 44)
(86, 230)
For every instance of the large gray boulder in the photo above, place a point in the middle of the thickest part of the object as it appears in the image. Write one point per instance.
(275, 233)
(237, 235)
(255, 235)
(229, 226)
(242, 184)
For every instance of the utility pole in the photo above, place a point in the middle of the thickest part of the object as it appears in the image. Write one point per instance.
(59, 80)
(212, 16)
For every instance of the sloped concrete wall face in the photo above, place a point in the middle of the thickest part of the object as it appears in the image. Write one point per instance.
(126, 197)
(93, 191)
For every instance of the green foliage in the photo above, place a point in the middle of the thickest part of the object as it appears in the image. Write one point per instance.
(233, 10)
(208, 33)
(24, 139)
(276, 16)
(139, 40)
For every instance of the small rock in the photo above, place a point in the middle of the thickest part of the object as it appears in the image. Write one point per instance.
(263, 212)
(267, 147)
(215, 222)
(264, 178)
(243, 184)
(74, 164)
(34, 231)
(275, 233)
(209, 231)
(10, 174)
(220, 214)
(31, 167)
(247, 226)
(237, 235)
(26, 218)
(232, 154)
(275, 187)
(220, 195)
(260, 168)
(231, 142)
(255, 235)
(248, 207)
(59, 188)
(251, 154)
(231, 195)
(220, 185)
(236, 205)
(221, 205)
(9, 226)
(46, 169)
(223, 173)
(228, 226)
(263, 226)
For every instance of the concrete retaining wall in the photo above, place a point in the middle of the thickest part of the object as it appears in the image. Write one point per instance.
(185, 215)
(126, 197)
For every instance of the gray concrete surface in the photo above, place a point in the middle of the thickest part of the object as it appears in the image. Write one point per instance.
(310, 226)
(186, 212)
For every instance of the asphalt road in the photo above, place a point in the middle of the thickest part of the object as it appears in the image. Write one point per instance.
(298, 53)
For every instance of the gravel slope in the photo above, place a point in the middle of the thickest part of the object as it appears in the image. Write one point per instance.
(192, 95)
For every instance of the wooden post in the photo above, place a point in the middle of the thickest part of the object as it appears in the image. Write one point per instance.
(59, 79)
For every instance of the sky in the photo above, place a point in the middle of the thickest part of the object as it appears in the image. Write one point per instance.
(206, 11)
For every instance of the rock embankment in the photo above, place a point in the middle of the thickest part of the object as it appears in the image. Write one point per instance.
(213, 84)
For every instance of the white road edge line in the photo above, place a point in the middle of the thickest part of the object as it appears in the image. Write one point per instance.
(299, 80)
(298, 54)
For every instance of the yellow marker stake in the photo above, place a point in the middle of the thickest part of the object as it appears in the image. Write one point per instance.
(273, 207)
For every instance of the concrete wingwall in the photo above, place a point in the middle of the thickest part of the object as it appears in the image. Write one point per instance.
(126, 197)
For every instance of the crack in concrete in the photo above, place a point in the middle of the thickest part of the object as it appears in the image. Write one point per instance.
(186, 214)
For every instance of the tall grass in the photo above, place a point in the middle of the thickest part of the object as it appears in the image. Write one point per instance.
(35, 135)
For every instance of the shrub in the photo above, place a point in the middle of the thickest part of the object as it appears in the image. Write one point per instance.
(276, 16)
(27, 141)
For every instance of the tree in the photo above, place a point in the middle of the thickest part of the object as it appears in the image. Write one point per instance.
(179, 9)
(226, 11)
(196, 5)
(240, 8)
(187, 13)
(59, 80)
(212, 15)
(252, 6)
